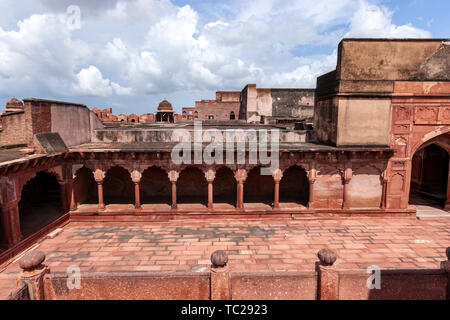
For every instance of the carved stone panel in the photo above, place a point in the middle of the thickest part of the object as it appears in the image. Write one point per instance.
(426, 115)
(402, 114)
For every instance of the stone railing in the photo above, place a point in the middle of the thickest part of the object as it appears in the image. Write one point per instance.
(220, 283)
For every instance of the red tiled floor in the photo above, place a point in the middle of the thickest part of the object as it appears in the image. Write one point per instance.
(252, 245)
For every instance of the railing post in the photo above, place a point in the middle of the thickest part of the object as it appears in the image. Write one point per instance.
(328, 277)
(446, 266)
(220, 276)
(33, 272)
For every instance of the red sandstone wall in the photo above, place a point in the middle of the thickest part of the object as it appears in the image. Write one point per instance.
(395, 285)
(13, 129)
(219, 110)
(276, 286)
(130, 286)
(420, 115)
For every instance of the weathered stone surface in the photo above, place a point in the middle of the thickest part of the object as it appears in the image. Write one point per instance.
(32, 260)
(326, 257)
(219, 259)
(50, 142)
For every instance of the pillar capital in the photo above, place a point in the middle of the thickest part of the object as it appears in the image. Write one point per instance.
(136, 176)
(348, 174)
(99, 176)
(277, 175)
(312, 176)
(241, 175)
(173, 176)
(210, 175)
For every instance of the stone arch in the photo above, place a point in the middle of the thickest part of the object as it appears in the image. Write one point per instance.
(155, 186)
(40, 203)
(294, 186)
(429, 175)
(118, 188)
(85, 187)
(427, 137)
(258, 188)
(192, 186)
(225, 187)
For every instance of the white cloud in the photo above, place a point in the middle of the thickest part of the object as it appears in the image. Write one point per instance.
(375, 21)
(148, 50)
(91, 82)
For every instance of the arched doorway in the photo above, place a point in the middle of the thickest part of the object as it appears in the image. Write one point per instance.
(155, 187)
(294, 186)
(85, 187)
(225, 187)
(429, 176)
(259, 188)
(118, 188)
(40, 203)
(232, 116)
(192, 186)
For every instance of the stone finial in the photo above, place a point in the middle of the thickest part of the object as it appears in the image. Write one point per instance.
(219, 259)
(326, 257)
(32, 260)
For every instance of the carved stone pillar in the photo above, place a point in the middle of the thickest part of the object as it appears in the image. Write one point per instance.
(445, 265)
(384, 182)
(447, 203)
(277, 176)
(312, 177)
(173, 177)
(66, 194)
(136, 178)
(11, 223)
(10, 211)
(240, 176)
(73, 204)
(348, 173)
(33, 272)
(99, 177)
(210, 175)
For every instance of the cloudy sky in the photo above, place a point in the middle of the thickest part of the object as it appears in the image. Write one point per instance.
(131, 54)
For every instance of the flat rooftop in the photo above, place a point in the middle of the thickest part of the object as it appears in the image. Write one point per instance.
(167, 146)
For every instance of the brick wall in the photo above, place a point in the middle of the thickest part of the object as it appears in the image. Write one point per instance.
(13, 129)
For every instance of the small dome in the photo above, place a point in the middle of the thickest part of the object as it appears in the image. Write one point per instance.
(14, 105)
(165, 106)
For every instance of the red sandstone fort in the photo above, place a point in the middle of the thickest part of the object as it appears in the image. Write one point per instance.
(371, 140)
